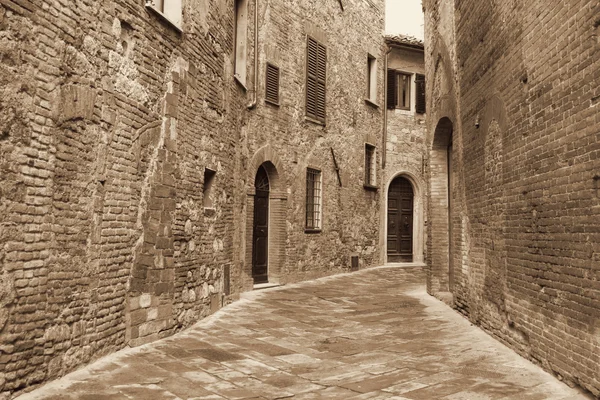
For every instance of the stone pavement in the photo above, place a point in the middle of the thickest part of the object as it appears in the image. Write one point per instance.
(374, 334)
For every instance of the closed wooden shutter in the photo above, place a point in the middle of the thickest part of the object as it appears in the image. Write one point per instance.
(272, 84)
(316, 77)
(421, 104)
(392, 89)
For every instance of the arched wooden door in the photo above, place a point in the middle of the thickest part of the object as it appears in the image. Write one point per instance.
(260, 236)
(400, 221)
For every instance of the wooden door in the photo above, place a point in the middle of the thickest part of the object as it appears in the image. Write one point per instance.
(400, 221)
(260, 242)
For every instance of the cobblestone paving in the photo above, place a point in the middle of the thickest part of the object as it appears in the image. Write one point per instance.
(372, 335)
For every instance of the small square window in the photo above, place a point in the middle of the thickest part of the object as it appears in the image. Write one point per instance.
(207, 191)
(313, 199)
(372, 78)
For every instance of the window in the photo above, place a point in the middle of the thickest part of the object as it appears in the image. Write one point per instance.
(399, 91)
(403, 102)
(316, 66)
(370, 166)
(371, 79)
(241, 32)
(207, 191)
(272, 84)
(420, 104)
(313, 199)
(168, 9)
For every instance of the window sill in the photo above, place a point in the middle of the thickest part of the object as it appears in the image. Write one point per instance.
(312, 230)
(239, 82)
(314, 121)
(403, 111)
(271, 103)
(371, 187)
(372, 103)
(156, 11)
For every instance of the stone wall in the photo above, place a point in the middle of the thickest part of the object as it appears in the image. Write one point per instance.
(110, 117)
(515, 85)
(289, 142)
(406, 153)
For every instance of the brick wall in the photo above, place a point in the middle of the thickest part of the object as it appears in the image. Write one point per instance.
(111, 116)
(518, 81)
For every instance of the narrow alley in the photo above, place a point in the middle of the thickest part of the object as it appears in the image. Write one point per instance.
(374, 334)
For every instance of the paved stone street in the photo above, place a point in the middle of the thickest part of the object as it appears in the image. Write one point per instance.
(374, 334)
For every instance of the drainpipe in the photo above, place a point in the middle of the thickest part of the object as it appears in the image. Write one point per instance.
(385, 109)
(252, 104)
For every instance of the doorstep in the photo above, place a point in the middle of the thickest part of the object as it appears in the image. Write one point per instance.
(267, 285)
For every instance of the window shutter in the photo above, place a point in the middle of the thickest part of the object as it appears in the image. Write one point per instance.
(421, 104)
(316, 74)
(322, 79)
(392, 89)
(272, 84)
(312, 53)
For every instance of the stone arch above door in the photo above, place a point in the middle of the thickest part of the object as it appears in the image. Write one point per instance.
(267, 157)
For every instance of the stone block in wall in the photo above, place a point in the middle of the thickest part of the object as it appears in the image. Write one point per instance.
(76, 102)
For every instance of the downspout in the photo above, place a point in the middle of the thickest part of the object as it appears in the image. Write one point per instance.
(252, 104)
(385, 109)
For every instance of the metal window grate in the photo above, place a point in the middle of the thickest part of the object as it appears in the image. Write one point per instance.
(313, 199)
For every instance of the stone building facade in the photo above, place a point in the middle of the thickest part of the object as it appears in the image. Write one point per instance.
(514, 168)
(132, 136)
(404, 198)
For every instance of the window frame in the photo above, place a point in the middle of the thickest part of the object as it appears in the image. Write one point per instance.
(207, 188)
(371, 81)
(240, 35)
(319, 78)
(409, 76)
(370, 175)
(158, 7)
(313, 216)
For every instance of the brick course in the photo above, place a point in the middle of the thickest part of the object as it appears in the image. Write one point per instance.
(110, 117)
(518, 81)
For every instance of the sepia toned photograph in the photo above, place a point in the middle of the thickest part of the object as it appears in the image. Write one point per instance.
(299, 199)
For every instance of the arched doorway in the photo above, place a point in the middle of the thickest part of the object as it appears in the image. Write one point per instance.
(400, 221)
(441, 207)
(260, 231)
